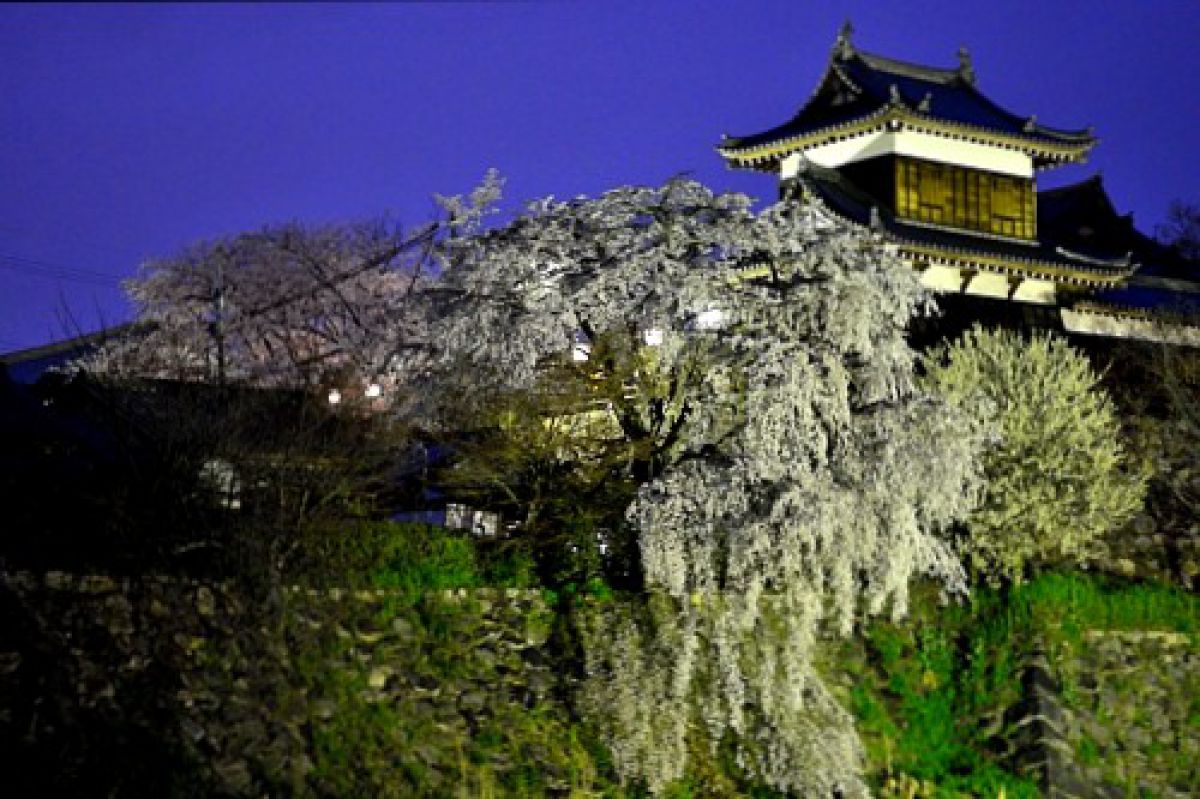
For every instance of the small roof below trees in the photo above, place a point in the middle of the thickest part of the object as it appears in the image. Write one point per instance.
(26, 366)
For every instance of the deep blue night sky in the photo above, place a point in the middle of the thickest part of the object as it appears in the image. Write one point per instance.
(127, 132)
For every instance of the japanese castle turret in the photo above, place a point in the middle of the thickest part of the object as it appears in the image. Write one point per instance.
(947, 178)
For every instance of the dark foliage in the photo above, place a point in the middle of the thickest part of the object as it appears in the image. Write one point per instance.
(159, 476)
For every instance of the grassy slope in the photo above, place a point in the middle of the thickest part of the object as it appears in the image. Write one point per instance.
(930, 692)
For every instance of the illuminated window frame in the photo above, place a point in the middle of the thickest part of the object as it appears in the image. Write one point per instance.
(971, 199)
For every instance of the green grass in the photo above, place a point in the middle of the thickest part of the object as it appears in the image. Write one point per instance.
(1087, 752)
(416, 559)
(927, 688)
(1083, 602)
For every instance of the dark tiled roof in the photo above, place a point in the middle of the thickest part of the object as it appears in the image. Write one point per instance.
(1082, 217)
(1148, 300)
(858, 85)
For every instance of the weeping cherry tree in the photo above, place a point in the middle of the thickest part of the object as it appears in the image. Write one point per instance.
(790, 474)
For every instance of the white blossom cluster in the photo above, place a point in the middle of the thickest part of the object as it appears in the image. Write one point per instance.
(841, 474)
(642, 663)
(1059, 476)
(634, 260)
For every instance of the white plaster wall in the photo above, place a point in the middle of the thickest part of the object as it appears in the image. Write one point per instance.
(942, 278)
(1100, 325)
(917, 145)
(948, 279)
(988, 284)
(1040, 292)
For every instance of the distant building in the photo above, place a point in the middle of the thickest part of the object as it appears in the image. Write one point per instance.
(28, 366)
(948, 179)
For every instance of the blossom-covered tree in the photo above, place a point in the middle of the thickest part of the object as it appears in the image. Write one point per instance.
(290, 305)
(287, 305)
(742, 376)
(791, 471)
(1059, 476)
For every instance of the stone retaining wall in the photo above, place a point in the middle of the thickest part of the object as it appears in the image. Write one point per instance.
(103, 678)
(175, 687)
(1119, 717)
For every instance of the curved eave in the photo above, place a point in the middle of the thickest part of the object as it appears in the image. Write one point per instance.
(1118, 311)
(981, 262)
(894, 119)
(1033, 268)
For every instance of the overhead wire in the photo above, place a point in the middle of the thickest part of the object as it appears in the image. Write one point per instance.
(47, 270)
(34, 267)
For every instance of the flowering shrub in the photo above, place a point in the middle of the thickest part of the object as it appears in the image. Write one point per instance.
(1058, 475)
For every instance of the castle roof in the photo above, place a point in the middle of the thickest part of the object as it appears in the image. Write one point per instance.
(861, 93)
(1083, 217)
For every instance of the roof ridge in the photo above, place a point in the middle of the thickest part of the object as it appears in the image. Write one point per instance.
(1096, 179)
(909, 69)
(81, 341)
(1030, 124)
(951, 98)
(963, 76)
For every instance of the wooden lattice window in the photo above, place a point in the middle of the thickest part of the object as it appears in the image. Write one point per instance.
(972, 199)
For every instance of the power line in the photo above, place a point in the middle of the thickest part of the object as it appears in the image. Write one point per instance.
(34, 267)
(38, 264)
(57, 276)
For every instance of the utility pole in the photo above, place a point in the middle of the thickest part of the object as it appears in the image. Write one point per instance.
(218, 325)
